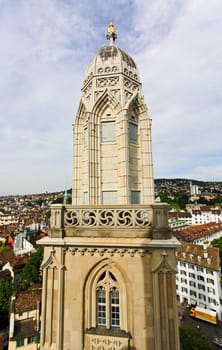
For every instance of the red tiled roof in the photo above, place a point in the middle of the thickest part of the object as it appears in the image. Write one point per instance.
(27, 300)
(197, 255)
(192, 233)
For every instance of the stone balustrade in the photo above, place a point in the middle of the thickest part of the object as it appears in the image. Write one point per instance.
(103, 216)
(114, 217)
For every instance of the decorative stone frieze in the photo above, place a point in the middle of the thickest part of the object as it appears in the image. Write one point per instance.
(130, 84)
(130, 74)
(106, 70)
(109, 81)
(115, 217)
(108, 251)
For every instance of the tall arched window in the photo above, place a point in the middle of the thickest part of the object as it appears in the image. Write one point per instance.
(107, 301)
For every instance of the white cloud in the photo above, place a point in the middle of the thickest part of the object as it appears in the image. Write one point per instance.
(205, 173)
(45, 48)
(182, 77)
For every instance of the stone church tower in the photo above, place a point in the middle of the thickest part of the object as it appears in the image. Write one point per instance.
(109, 261)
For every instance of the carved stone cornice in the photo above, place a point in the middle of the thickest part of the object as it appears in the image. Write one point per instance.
(102, 251)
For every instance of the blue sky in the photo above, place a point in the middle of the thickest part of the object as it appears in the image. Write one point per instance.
(46, 46)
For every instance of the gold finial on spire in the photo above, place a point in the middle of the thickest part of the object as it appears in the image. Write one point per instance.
(111, 33)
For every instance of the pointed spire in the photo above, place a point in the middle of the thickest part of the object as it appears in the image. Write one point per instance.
(111, 33)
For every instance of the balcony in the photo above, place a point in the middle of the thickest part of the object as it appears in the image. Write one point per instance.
(111, 220)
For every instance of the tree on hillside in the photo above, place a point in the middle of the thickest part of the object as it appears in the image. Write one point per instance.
(31, 272)
(216, 200)
(177, 202)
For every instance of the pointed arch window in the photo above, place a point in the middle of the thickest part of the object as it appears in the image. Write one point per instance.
(106, 311)
(107, 301)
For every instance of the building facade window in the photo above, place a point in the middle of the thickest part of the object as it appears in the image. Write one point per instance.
(86, 137)
(211, 290)
(183, 280)
(115, 308)
(31, 340)
(210, 280)
(191, 266)
(133, 133)
(135, 197)
(212, 301)
(193, 293)
(101, 306)
(108, 131)
(200, 278)
(86, 197)
(199, 268)
(109, 197)
(202, 297)
(19, 343)
(201, 286)
(107, 299)
(192, 283)
(182, 272)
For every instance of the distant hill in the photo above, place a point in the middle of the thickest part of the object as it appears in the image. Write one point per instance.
(180, 181)
(158, 182)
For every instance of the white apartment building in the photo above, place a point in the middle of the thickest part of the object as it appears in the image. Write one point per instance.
(179, 220)
(194, 190)
(204, 214)
(198, 277)
(194, 216)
